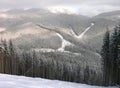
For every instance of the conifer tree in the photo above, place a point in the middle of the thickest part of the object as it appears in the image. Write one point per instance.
(14, 59)
(118, 58)
(105, 56)
(114, 56)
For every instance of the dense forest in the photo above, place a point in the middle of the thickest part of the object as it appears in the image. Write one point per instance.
(54, 66)
(111, 57)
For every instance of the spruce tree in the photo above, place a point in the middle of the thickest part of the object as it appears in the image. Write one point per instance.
(114, 56)
(118, 59)
(105, 56)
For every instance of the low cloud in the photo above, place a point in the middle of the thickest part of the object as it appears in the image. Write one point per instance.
(79, 6)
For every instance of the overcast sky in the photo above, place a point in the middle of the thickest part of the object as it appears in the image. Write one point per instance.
(84, 7)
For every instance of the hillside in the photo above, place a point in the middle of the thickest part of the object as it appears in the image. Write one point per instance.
(21, 24)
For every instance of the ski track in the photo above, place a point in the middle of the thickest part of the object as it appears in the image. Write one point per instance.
(83, 33)
(64, 43)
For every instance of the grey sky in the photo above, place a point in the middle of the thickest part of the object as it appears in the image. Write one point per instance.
(79, 6)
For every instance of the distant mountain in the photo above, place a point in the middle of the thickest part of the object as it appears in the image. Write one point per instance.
(113, 15)
(21, 25)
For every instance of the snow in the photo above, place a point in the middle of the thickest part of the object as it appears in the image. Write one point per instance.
(10, 81)
(27, 9)
(61, 9)
(73, 33)
(43, 50)
(2, 29)
(98, 55)
(83, 33)
(5, 16)
(4, 10)
(48, 50)
(64, 43)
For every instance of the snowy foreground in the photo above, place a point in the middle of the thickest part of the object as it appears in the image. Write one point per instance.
(8, 81)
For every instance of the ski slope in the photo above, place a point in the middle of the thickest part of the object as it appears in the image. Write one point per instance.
(64, 43)
(83, 33)
(10, 81)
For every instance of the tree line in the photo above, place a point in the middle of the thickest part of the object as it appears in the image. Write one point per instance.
(52, 65)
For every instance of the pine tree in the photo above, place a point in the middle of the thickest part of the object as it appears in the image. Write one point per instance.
(13, 58)
(118, 59)
(1, 59)
(105, 56)
(114, 56)
(6, 62)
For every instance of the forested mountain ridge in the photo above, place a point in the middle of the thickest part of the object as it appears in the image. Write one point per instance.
(54, 46)
(23, 24)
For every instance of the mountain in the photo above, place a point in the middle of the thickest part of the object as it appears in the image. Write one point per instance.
(103, 21)
(66, 35)
(19, 20)
(113, 15)
(21, 26)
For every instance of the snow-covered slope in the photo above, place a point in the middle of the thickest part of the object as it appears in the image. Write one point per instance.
(8, 81)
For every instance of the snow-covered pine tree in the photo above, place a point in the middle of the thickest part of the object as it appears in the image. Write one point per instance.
(114, 56)
(1, 58)
(105, 56)
(118, 59)
(14, 60)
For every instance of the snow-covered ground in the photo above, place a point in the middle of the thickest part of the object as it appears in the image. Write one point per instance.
(83, 33)
(8, 81)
